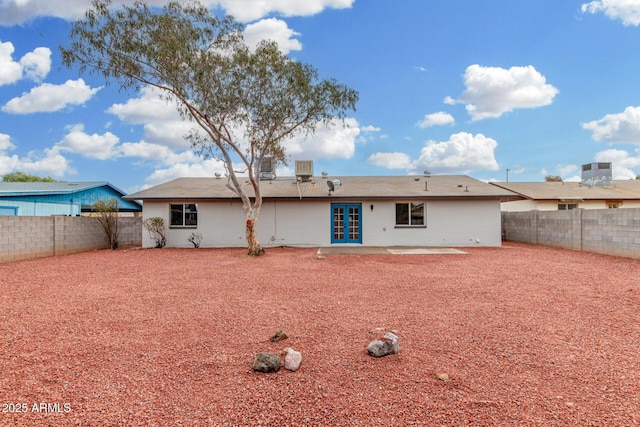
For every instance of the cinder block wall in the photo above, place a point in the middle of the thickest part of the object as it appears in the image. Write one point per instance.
(24, 237)
(605, 231)
(612, 231)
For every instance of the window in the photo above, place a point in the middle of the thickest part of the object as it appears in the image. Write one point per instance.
(567, 206)
(184, 215)
(613, 205)
(410, 214)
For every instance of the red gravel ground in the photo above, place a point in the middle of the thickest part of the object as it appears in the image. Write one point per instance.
(529, 336)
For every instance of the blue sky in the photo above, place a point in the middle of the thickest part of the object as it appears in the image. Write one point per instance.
(475, 87)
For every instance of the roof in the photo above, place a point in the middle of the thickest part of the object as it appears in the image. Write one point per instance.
(608, 190)
(88, 192)
(369, 187)
(41, 188)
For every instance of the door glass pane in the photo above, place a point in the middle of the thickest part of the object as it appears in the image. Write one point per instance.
(338, 223)
(354, 221)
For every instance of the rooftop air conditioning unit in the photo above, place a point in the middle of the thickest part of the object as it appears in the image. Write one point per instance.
(268, 168)
(304, 170)
(596, 171)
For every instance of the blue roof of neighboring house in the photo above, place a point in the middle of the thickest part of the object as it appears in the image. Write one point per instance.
(86, 193)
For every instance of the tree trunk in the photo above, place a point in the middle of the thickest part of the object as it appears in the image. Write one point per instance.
(253, 245)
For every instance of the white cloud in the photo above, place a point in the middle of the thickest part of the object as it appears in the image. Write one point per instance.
(327, 142)
(275, 30)
(436, 119)
(37, 64)
(50, 162)
(49, 98)
(391, 160)
(94, 146)
(565, 170)
(574, 178)
(13, 12)
(627, 11)
(250, 10)
(33, 65)
(5, 143)
(155, 152)
(203, 168)
(145, 150)
(367, 134)
(161, 120)
(623, 163)
(493, 91)
(462, 153)
(10, 71)
(617, 128)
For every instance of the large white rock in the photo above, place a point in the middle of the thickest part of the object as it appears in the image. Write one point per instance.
(292, 359)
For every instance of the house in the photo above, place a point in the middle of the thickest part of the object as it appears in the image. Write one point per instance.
(59, 198)
(588, 194)
(439, 210)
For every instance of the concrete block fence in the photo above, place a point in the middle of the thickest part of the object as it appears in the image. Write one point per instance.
(24, 237)
(603, 231)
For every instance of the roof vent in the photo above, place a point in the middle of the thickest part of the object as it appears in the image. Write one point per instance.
(304, 170)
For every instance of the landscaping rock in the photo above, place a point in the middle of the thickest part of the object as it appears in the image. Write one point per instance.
(442, 376)
(266, 362)
(292, 359)
(279, 336)
(388, 344)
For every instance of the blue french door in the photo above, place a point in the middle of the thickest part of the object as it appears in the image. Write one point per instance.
(346, 223)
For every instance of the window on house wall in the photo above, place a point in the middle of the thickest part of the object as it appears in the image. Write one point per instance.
(410, 214)
(614, 204)
(567, 206)
(184, 215)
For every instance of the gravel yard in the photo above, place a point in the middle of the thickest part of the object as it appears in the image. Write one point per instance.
(527, 335)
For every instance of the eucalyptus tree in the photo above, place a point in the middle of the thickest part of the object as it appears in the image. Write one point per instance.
(245, 102)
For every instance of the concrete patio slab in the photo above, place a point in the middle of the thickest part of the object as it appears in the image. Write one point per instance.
(379, 250)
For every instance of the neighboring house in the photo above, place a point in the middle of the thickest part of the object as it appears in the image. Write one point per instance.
(59, 198)
(590, 194)
(370, 211)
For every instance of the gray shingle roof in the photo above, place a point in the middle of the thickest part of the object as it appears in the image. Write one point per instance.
(370, 187)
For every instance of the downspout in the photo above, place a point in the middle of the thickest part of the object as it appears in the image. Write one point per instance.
(298, 185)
